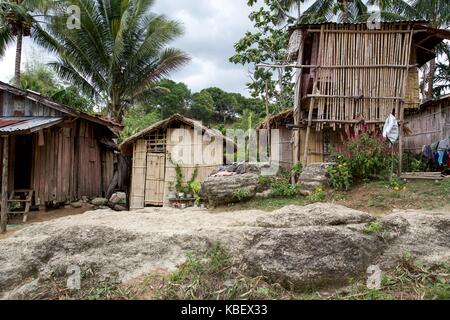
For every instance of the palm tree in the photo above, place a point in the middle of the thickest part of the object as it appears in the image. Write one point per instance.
(329, 10)
(119, 53)
(19, 19)
(438, 13)
(441, 83)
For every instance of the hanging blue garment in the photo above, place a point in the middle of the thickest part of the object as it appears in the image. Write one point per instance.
(441, 154)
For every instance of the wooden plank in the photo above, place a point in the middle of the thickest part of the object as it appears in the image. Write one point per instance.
(4, 212)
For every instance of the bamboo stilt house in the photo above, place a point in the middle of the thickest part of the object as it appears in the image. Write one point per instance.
(350, 75)
(160, 148)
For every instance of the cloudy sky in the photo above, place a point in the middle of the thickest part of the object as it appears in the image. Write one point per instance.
(211, 29)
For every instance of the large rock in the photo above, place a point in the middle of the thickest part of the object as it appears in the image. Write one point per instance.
(99, 202)
(312, 246)
(313, 176)
(316, 245)
(223, 190)
(119, 198)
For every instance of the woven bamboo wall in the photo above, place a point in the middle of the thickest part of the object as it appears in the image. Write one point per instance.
(429, 125)
(189, 145)
(361, 74)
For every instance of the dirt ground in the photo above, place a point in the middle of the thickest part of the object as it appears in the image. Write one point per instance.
(16, 223)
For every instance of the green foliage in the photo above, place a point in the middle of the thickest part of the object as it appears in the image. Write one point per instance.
(137, 119)
(297, 169)
(366, 156)
(340, 177)
(241, 194)
(195, 186)
(413, 163)
(169, 98)
(266, 44)
(397, 185)
(180, 185)
(202, 107)
(282, 187)
(318, 195)
(42, 79)
(373, 227)
(125, 55)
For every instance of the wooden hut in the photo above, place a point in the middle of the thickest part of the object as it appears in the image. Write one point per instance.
(157, 150)
(51, 153)
(350, 75)
(283, 146)
(428, 125)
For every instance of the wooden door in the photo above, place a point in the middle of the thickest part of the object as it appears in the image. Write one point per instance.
(154, 185)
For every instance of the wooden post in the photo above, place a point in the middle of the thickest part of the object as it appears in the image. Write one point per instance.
(297, 101)
(402, 104)
(4, 213)
(308, 131)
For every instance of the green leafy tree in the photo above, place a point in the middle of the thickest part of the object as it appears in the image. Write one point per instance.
(202, 107)
(266, 45)
(19, 19)
(40, 78)
(138, 118)
(438, 13)
(170, 98)
(442, 78)
(225, 105)
(119, 53)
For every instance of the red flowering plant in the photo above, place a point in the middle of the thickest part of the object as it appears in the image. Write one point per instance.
(365, 153)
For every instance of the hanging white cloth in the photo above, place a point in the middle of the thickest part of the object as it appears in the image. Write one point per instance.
(391, 129)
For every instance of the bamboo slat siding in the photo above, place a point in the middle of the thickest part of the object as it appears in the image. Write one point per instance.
(429, 125)
(154, 174)
(344, 74)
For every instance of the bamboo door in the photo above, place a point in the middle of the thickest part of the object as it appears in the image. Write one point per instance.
(138, 175)
(154, 185)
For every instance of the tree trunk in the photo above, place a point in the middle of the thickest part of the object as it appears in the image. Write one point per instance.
(18, 56)
(299, 10)
(345, 15)
(430, 79)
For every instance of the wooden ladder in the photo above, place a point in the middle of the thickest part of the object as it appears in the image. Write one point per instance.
(24, 198)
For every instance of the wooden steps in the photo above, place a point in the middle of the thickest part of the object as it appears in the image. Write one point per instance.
(422, 176)
(24, 198)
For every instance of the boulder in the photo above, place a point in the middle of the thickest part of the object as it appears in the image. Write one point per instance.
(223, 190)
(118, 198)
(99, 202)
(77, 204)
(316, 245)
(313, 176)
(118, 207)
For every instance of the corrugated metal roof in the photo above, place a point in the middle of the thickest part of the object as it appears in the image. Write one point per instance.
(383, 21)
(30, 124)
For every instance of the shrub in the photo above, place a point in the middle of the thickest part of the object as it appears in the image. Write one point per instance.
(281, 187)
(397, 185)
(297, 169)
(373, 227)
(318, 195)
(366, 156)
(340, 177)
(241, 194)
